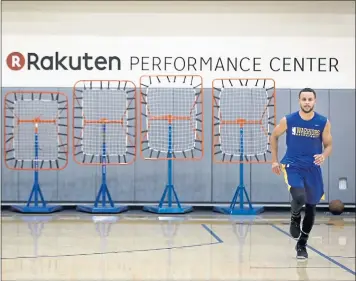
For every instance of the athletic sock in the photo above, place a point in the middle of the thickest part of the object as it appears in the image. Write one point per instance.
(295, 214)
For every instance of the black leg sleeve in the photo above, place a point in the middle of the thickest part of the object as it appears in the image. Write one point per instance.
(308, 222)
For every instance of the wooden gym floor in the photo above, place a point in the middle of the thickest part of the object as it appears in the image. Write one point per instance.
(196, 246)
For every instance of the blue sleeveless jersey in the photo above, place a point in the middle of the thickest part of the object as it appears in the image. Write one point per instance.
(303, 139)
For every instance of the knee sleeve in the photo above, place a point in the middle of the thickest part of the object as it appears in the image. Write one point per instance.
(298, 198)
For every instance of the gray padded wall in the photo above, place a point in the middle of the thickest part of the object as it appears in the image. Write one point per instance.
(199, 182)
(266, 186)
(342, 162)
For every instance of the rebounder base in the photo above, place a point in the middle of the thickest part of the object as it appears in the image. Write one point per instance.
(102, 210)
(168, 210)
(238, 211)
(36, 209)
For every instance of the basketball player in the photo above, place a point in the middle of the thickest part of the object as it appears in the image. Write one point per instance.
(306, 134)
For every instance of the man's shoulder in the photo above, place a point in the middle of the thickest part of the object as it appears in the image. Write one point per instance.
(292, 115)
(321, 117)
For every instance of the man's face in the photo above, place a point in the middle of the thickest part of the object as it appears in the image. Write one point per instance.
(307, 101)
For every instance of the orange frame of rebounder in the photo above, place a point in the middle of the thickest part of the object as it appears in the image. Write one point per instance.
(62, 137)
(170, 118)
(241, 122)
(132, 140)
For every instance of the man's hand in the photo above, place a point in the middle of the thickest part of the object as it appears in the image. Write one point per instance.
(276, 168)
(319, 159)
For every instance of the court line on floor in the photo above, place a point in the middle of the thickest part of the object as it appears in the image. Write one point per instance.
(113, 252)
(342, 257)
(213, 233)
(219, 241)
(288, 267)
(317, 252)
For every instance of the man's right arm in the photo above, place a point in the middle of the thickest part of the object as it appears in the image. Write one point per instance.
(277, 132)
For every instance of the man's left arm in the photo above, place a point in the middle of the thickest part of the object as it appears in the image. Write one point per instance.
(327, 142)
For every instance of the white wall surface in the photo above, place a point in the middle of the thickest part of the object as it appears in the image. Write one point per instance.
(215, 18)
(188, 29)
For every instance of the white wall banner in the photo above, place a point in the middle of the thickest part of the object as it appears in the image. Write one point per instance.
(293, 62)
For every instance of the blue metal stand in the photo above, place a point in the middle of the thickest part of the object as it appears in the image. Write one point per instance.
(38, 207)
(169, 190)
(240, 191)
(103, 192)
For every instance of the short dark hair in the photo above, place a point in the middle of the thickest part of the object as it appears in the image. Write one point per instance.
(308, 90)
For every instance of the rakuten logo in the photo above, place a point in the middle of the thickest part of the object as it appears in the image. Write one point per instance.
(16, 61)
